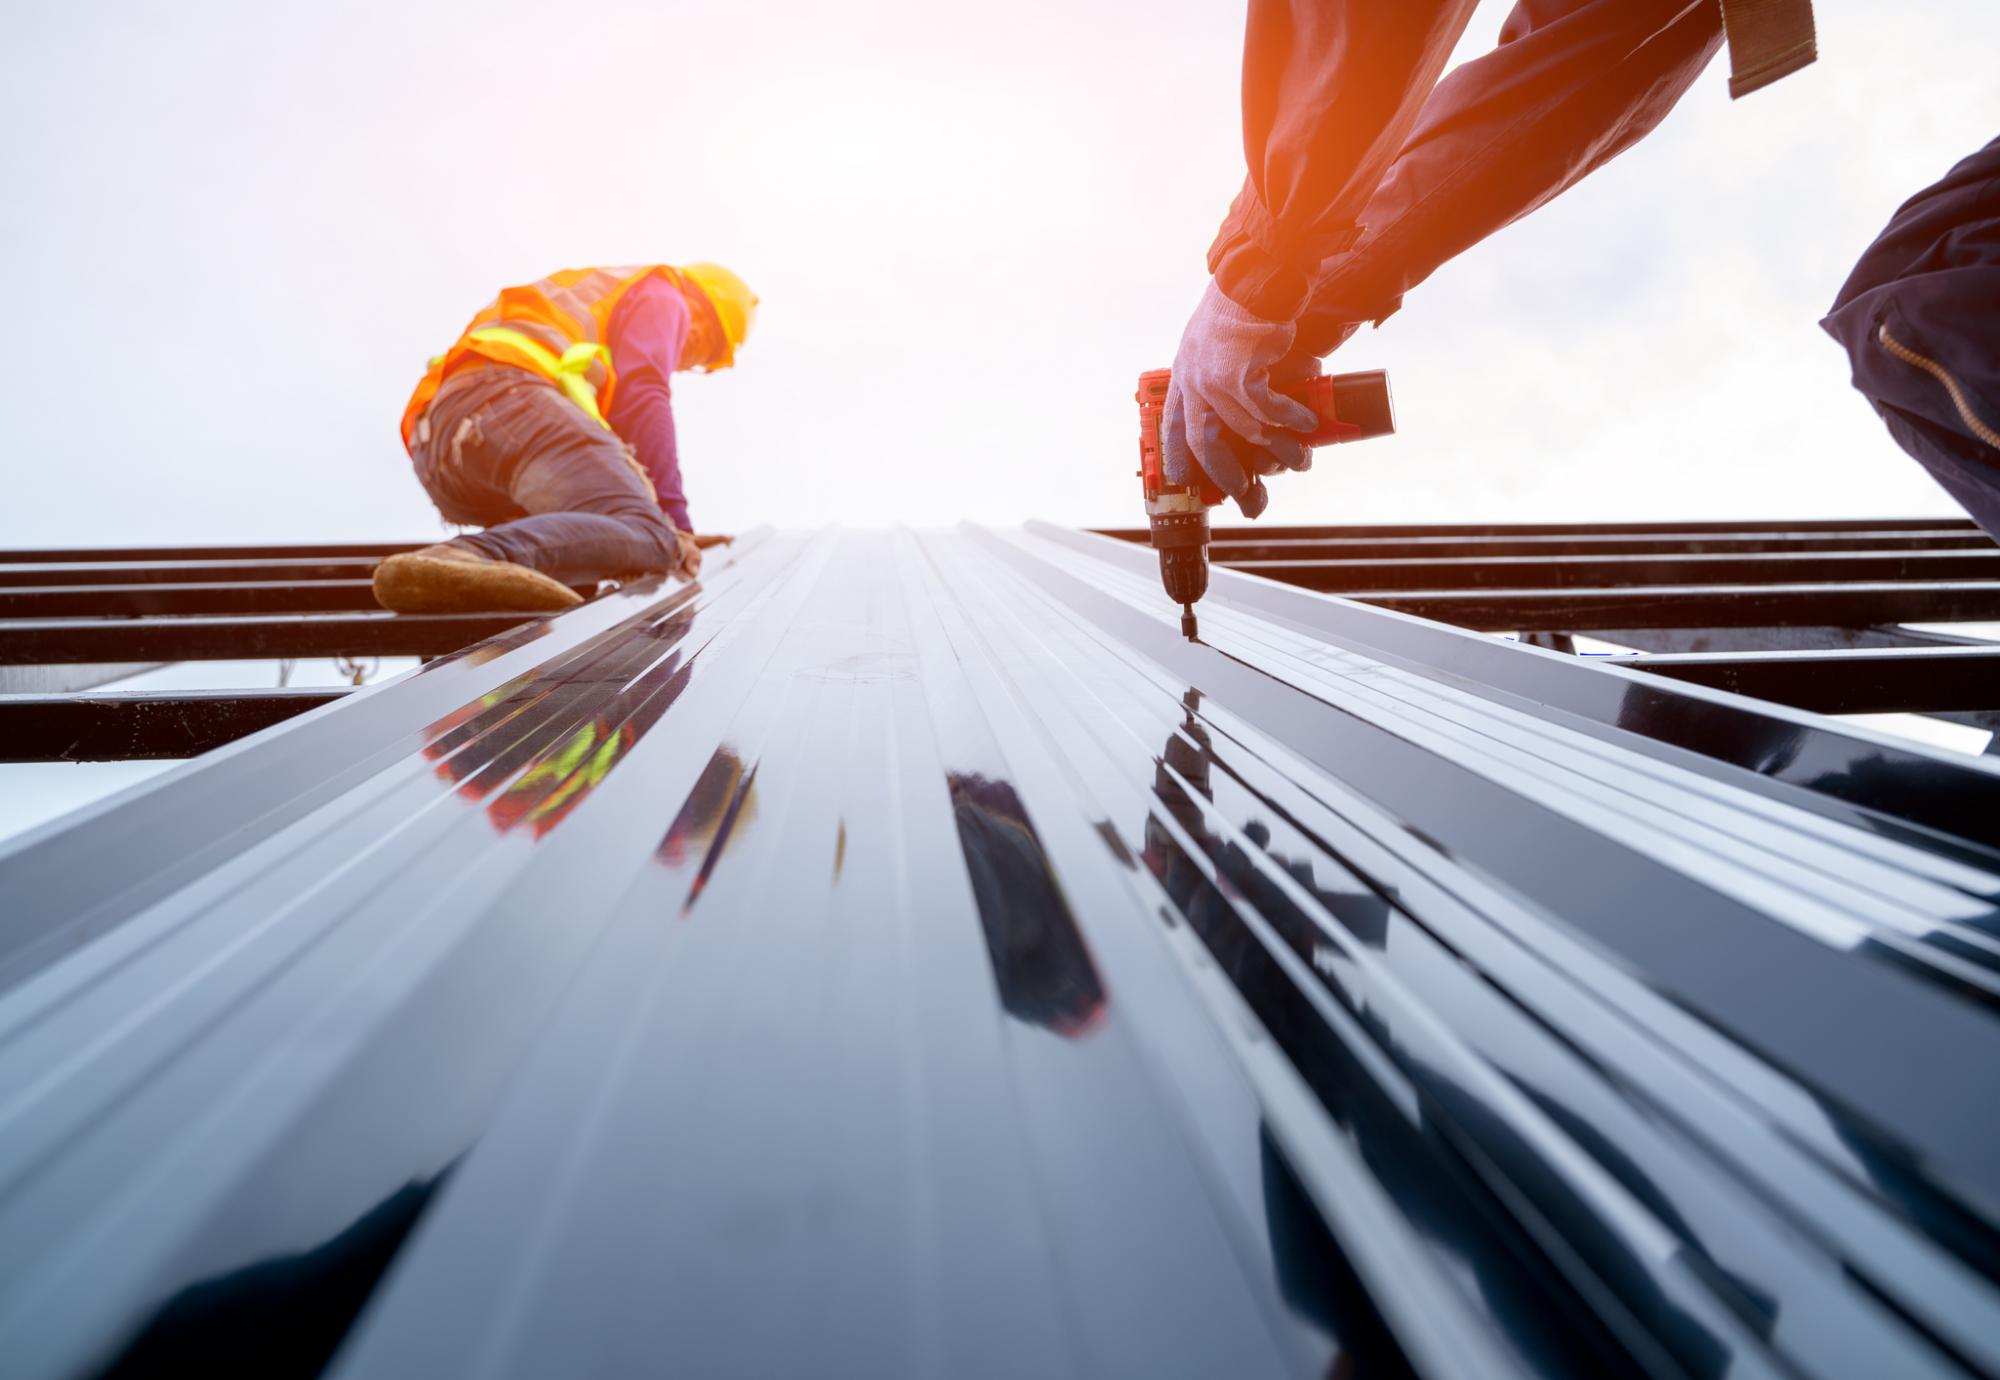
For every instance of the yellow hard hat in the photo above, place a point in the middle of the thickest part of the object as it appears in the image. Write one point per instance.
(735, 306)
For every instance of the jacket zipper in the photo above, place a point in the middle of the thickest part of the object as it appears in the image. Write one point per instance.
(1943, 376)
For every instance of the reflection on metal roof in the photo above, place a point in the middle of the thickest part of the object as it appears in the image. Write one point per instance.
(903, 955)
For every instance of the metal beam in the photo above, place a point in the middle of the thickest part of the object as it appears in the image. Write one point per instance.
(1874, 680)
(374, 550)
(1231, 546)
(232, 596)
(1795, 637)
(136, 725)
(1682, 606)
(1276, 531)
(1583, 572)
(265, 571)
(37, 641)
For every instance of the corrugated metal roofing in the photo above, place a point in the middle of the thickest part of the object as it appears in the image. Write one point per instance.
(903, 955)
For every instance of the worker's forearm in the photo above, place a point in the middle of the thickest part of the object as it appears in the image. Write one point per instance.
(1571, 85)
(648, 332)
(1329, 92)
(642, 412)
(663, 463)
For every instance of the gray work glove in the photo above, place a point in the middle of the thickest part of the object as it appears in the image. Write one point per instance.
(1223, 414)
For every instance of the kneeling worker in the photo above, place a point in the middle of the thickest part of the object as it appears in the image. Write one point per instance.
(550, 423)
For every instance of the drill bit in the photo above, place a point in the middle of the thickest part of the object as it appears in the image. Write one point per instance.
(1187, 623)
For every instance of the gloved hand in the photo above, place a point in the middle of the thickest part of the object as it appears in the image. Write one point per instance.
(1223, 414)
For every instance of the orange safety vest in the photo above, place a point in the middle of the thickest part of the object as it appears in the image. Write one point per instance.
(555, 326)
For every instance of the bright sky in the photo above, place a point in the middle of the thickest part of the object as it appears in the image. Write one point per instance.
(231, 233)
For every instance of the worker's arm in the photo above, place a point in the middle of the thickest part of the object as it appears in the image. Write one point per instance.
(1329, 90)
(1329, 93)
(1572, 84)
(647, 335)
(1364, 180)
(1920, 319)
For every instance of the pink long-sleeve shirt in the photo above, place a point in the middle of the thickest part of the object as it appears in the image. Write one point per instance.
(647, 337)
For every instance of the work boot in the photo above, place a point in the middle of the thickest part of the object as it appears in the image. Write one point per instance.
(449, 578)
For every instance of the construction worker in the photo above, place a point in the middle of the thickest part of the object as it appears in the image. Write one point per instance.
(1367, 173)
(550, 422)
(1920, 317)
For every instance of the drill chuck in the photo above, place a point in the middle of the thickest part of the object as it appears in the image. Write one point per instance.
(1184, 573)
(1181, 538)
(1182, 541)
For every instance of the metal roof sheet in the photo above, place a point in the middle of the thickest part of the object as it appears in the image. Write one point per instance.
(903, 954)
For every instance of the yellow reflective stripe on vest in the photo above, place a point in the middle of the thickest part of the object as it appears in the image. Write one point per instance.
(567, 372)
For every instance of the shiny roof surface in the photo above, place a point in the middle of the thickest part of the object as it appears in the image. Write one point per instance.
(902, 954)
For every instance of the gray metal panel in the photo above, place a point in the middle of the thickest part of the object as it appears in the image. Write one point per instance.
(904, 955)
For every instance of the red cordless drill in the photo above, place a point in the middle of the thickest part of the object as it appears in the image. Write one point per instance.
(1350, 407)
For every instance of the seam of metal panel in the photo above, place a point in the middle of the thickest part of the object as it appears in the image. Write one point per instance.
(1913, 1009)
(1089, 873)
(1670, 1048)
(1677, 803)
(1357, 678)
(1059, 603)
(1944, 812)
(1426, 1317)
(1404, 1281)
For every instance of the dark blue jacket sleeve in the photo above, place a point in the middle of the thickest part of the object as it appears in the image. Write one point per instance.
(1932, 280)
(648, 332)
(1367, 173)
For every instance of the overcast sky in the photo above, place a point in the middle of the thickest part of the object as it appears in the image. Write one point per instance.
(233, 232)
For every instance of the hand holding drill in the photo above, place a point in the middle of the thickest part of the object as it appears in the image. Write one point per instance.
(1235, 407)
(1223, 407)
